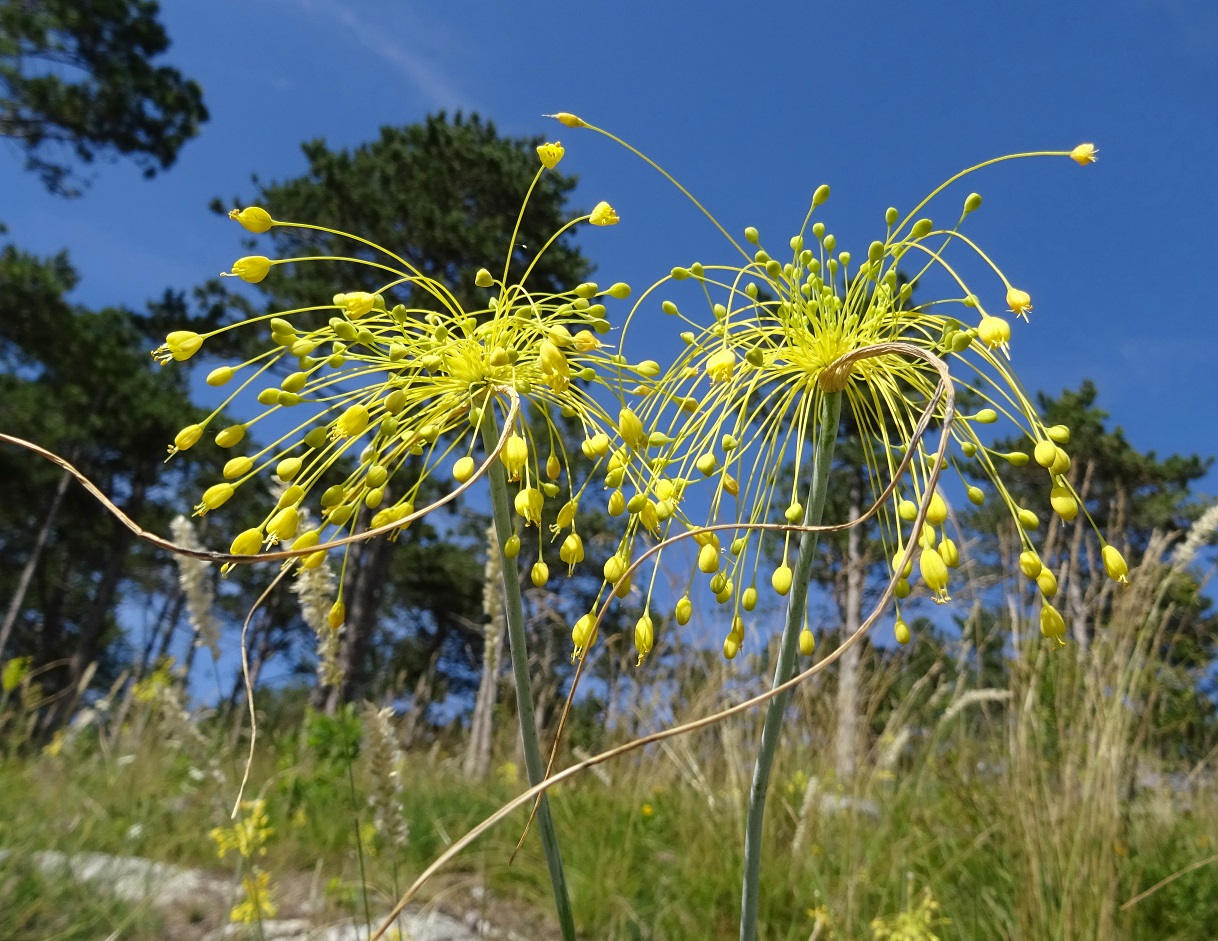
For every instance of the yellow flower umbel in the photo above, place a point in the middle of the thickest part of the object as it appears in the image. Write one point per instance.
(789, 328)
(247, 839)
(403, 392)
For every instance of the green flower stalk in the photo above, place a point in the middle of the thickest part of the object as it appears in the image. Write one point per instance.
(402, 394)
(795, 335)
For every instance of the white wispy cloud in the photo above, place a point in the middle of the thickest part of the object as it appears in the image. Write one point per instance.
(425, 78)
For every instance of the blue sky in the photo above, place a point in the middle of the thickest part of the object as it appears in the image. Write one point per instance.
(751, 106)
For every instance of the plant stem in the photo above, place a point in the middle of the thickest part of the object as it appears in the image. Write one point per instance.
(830, 412)
(514, 611)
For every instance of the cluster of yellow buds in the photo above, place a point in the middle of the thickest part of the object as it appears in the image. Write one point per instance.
(378, 397)
(743, 400)
(392, 394)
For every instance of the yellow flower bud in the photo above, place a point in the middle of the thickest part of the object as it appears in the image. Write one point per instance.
(540, 574)
(1063, 503)
(781, 579)
(214, 497)
(1083, 154)
(227, 437)
(252, 268)
(987, 416)
(463, 469)
(337, 615)
(1114, 564)
(1028, 519)
(976, 496)
(291, 495)
(567, 119)
(900, 630)
(708, 560)
(1019, 302)
(283, 524)
(907, 569)
(248, 543)
(1029, 563)
(603, 214)
(585, 341)
(720, 365)
(529, 502)
(1059, 433)
(188, 437)
(934, 574)
(1061, 463)
(553, 364)
(484, 279)
(795, 512)
(748, 600)
(807, 643)
(1047, 582)
(254, 218)
(644, 637)
(1052, 624)
(731, 647)
(514, 455)
(287, 469)
(617, 503)
(615, 567)
(377, 475)
(598, 444)
(936, 512)
(352, 422)
(684, 611)
(994, 332)
(902, 589)
(949, 553)
(566, 515)
(181, 345)
(571, 551)
(583, 634)
(373, 498)
(220, 375)
(550, 154)
(307, 540)
(553, 467)
(511, 548)
(631, 429)
(907, 510)
(357, 303)
(1045, 453)
(238, 467)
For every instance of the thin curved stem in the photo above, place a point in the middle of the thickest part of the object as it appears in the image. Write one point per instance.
(514, 611)
(830, 413)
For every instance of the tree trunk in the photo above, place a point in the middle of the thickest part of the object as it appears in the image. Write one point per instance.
(478, 752)
(848, 705)
(27, 573)
(364, 592)
(93, 625)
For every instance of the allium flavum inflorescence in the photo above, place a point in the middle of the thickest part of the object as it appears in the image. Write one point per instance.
(395, 395)
(787, 328)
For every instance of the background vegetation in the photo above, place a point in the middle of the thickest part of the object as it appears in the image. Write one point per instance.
(1031, 792)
